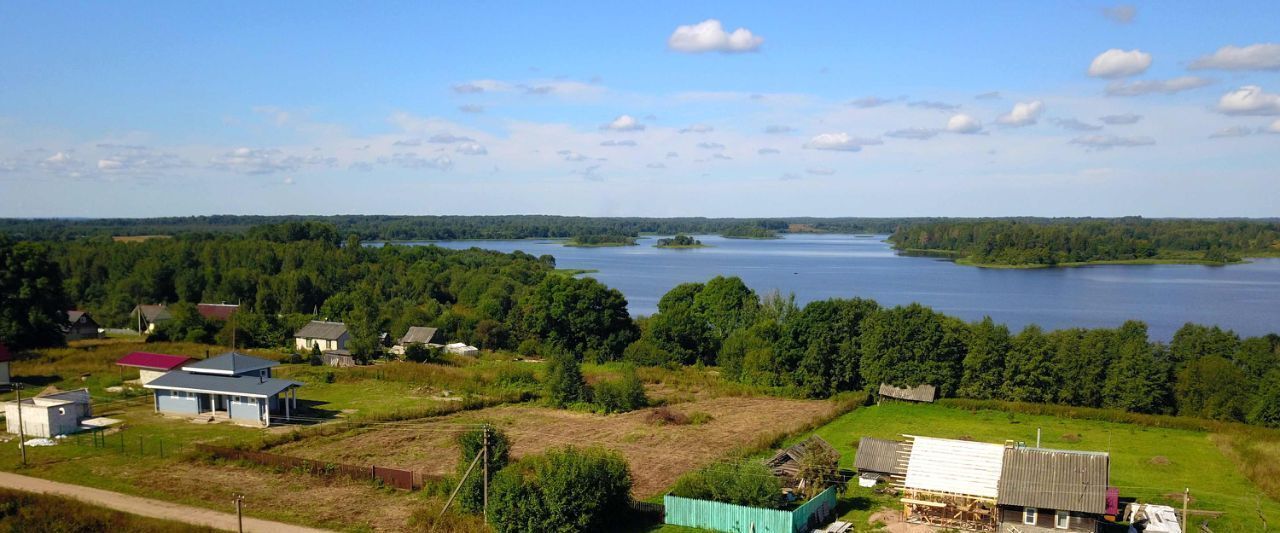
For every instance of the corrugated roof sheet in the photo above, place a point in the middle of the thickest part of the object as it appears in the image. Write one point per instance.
(234, 362)
(919, 393)
(418, 334)
(244, 385)
(957, 466)
(880, 455)
(317, 329)
(153, 361)
(1055, 479)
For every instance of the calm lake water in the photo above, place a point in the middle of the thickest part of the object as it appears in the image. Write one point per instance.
(1245, 297)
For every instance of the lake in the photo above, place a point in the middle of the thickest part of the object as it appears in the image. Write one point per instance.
(1243, 297)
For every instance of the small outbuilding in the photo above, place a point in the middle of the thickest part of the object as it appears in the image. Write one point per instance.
(880, 460)
(416, 335)
(326, 335)
(918, 393)
(459, 348)
(80, 326)
(49, 414)
(338, 358)
(148, 316)
(152, 365)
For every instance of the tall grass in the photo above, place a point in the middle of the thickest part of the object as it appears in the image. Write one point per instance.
(24, 511)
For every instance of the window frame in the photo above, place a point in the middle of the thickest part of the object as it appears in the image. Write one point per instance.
(1031, 512)
(1062, 520)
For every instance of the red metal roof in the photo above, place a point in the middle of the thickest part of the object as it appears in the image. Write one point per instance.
(153, 361)
(217, 311)
(4, 354)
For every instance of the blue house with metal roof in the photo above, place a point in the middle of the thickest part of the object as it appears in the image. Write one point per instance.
(232, 386)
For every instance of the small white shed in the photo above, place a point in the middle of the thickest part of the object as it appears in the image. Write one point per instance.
(459, 348)
(49, 415)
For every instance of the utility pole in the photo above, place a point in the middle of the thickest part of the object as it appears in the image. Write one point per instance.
(22, 436)
(239, 514)
(1186, 495)
(486, 472)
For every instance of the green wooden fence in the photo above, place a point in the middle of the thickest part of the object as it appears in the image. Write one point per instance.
(742, 519)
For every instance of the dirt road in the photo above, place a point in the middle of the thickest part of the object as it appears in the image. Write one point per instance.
(146, 506)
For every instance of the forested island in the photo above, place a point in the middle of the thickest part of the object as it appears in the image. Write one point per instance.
(749, 232)
(600, 239)
(680, 241)
(1071, 242)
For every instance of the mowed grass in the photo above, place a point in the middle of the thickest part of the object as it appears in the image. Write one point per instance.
(1151, 464)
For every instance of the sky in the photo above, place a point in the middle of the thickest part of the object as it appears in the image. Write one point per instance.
(1072, 108)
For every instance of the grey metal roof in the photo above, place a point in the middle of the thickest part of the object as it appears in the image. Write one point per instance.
(919, 393)
(418, 334)
(881, 455)
(242, 385)
(1055, 479)
(153, 313)
(317, 329)
(233, 362)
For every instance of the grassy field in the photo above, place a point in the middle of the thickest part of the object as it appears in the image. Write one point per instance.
(1147, 463)
(25, 511)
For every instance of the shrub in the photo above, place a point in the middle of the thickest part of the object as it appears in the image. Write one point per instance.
(471, 496)
(644, 352)
(699, 418)
(421, 353)
(565, 490)
(529, 347)
(565, 384)
(516, 377)
(747, 483)
(316, 358)
(329, 377)
(625, 394)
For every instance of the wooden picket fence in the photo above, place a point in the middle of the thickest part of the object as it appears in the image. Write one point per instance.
(392, 477)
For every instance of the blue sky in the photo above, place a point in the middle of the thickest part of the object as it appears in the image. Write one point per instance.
(656, 108)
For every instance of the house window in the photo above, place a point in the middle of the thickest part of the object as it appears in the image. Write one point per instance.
(1062, 520)
(1029, 516)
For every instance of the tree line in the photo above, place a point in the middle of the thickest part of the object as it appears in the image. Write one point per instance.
(1054, 241)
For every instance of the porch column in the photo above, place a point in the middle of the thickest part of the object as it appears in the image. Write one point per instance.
(213, 404)
(155, 400)
(266, 407)
(286, 404)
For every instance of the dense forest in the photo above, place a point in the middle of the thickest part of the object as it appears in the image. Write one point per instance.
(749, 232)
(1057, 241)
(602, 239)
(679, 241)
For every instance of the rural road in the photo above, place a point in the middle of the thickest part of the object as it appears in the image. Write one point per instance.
(147, 506)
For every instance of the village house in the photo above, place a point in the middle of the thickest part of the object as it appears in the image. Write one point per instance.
(221, 312)
(49, 414)
(148, 316)
(326, 335)
(232, 386)
(879, 460)
(80, 326)
(415, 335)
(152, 365)
(919, 393)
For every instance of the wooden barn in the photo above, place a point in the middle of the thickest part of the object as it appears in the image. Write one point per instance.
(879, 460)
(80, 326)
(918, 393)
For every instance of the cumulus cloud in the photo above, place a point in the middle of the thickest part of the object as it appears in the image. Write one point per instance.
(929, 104)
(869, 101)
(1121, 14)
(1106, 142)
(1249, 100)
(1075, 125)
(448, 138)
(963, 123)
(919, 134)
(778, 129)
(697, 128)
(768, 151)
(1023, 114)
(137, 160)
(1234, 131)
(841, 142)
(471, 108)
(624, 123)
(820, 171)
(1120, 120)
(471, 148)
(415, 161)
(625, 142)
(710, 36)
(246, 160)
(1262, 56)
(1143, 87)
(1117, 63)
(710, 146)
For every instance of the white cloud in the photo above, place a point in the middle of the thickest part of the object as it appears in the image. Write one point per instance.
(1023, 114)
(1076, 125)
(929, 104)
(288, 180)
(820, 171)
(624, 123)
(1121, 14)
(710, 146)
(414, 161)
(991, 95)
(841, 142)
(1170, 86)
(1274, 127)
(407, 142)
(468, 88)
(1106, 142)
(255, 161)
(471, 108)
(963, 123)
(1234, 131)
(789, 176)
(624, 142)
(777, 129)
(656, 165)
(1120, 120)
(870, 101)
(672, 155)
(721, 156)
(471, 148)
(1249, 100)
(570, 155)
(1117, 63)
(697, 128)
(710, 36)
(768, 151)
(1262, 56)
(918, 134)
(448, 138)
